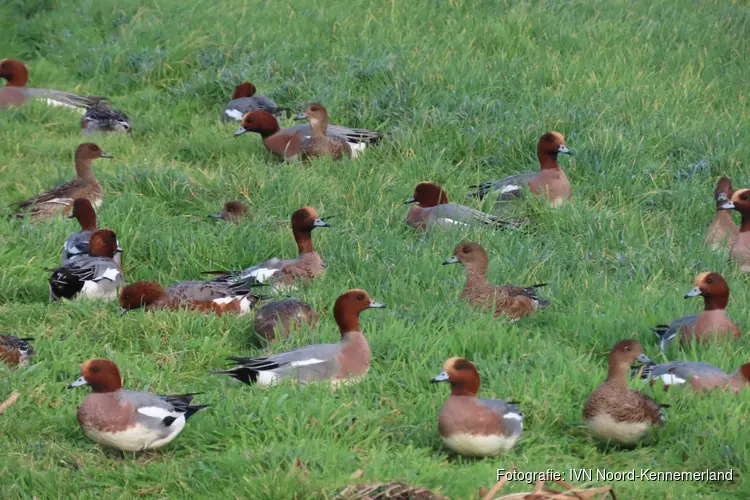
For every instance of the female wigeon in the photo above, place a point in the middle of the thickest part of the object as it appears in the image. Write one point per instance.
(550, 182)
(345, 362)
(101, 117)
(701, 376)
(128, 420)
(95, 276)
(434, 210)
(77, 244)
(320, 143)
(471, 426)
(283, 273)
(190, 295)
(740, 249)
(614, 412)
(287, 143)
(60, 199)
(245, 101)
(15, 351)
(512, 301)
(722, 230)
(231, 212)
(712, 322)
(277, 319)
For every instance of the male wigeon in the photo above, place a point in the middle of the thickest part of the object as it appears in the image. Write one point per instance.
(245, 101)
(283, 273)
(740, 249)
(15, 351)
(60, 199)
(101, 117)
(512, 301)
(287, 142)
(614, 412)
(77, 244)
(550, 182)
(432, 209)
(722, 230)
(471, 426)
(95, 276)
(277, 319)
(190, 295)
(232, 211)
(15, 92)
(128, 420)
(320, 143)
(712, 322)
(344, 362)
(701, 376)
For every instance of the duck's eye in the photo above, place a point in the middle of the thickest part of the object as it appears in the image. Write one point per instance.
(709, 280)
(628, 348)
(743, 197)
(95, 369)
(360, 297)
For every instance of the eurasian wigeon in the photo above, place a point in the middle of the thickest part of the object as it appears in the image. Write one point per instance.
(345, 362)
(550, 182)
(287, 142)
(512, 301)
(432, 209)
(471, 426)
(277, 319)
(101, 117)
(95, 276)
(77, 244)
(740, 249)
(320, 143)
(614, 412)
(231, 212)
(128, 420)
(245, 101)
(190, 295)
(283, 273)
(60, 199)
(701, 376)
(722, 230)
(712, 322)
(15, 92)
(15, 351)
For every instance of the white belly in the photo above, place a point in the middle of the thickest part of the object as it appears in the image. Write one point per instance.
(605, 427)
(98, 290)
(136, 438)
(473, 445)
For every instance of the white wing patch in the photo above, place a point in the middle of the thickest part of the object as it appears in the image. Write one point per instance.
(60, 201)
(670, 379)
(234, 114)
(509, 188)
(223, 300)
(156, 412)
(306, 362)
(262, 274)
(110, 274)
(451, 221)
(357, 148)
(513, 416)
(60, 104)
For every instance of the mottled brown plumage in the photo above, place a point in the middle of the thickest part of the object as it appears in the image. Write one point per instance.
(722, 230)
(740, 249)
(387, 491)
(15, 351)
(191, 296)
(277, 319)
(320, 143)
(232, 211)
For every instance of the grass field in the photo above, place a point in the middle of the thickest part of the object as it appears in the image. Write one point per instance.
(651, 95)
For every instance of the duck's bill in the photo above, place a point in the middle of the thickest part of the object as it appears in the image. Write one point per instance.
(122, 311)
(441, 377)
(564, 150)
(410, 200)
(217, 215)
(239, 131)
(727, 206)
(642, 358)
(106, 155)
(320, 223)
(78, 383)
(693, 293)
(450, 260)
(300, 116)
(71, 216)
(376, 305)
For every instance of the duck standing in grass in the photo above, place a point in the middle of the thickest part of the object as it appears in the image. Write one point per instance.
(320, 143)
(614, 412)
(740, 249)
(282, 316)
(232, 211)
(550, 182)
(245, 101)
(101, 117)
(128, 420)
(345, 362)
(711, 323)
(471, 426)
(60, 199)
(722, 231)
(15, 351)
(512, 301)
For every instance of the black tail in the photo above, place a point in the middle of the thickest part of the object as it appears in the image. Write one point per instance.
(192, 410)
(665, 334)
(241, 373)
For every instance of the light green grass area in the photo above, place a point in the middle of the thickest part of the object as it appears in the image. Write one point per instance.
(651, 95)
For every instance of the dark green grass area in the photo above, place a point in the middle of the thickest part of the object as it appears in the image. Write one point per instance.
(651, 96)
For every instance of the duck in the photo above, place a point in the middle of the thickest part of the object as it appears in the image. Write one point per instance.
(513, 302)
(287, 143)
(232, 211)
(432, 209)
(128, 420)
(550, 182)
(740, 250)
(15, 351)
(95, 276)
(284, 273)
(77, 244)
(15, 92)
(60, 199)
(277, 319)
(722, 231)
(245, 101)
(616, 413)
(347, 361)
(101, 117)
(712, 322)
(190, 295)
(320, 143)
(700, 376)
(471, 426)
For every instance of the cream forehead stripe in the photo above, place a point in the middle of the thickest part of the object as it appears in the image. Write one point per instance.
(739, 193)
(699, 279)
(449, 364)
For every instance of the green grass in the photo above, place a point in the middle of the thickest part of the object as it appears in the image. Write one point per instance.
(652, 97)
